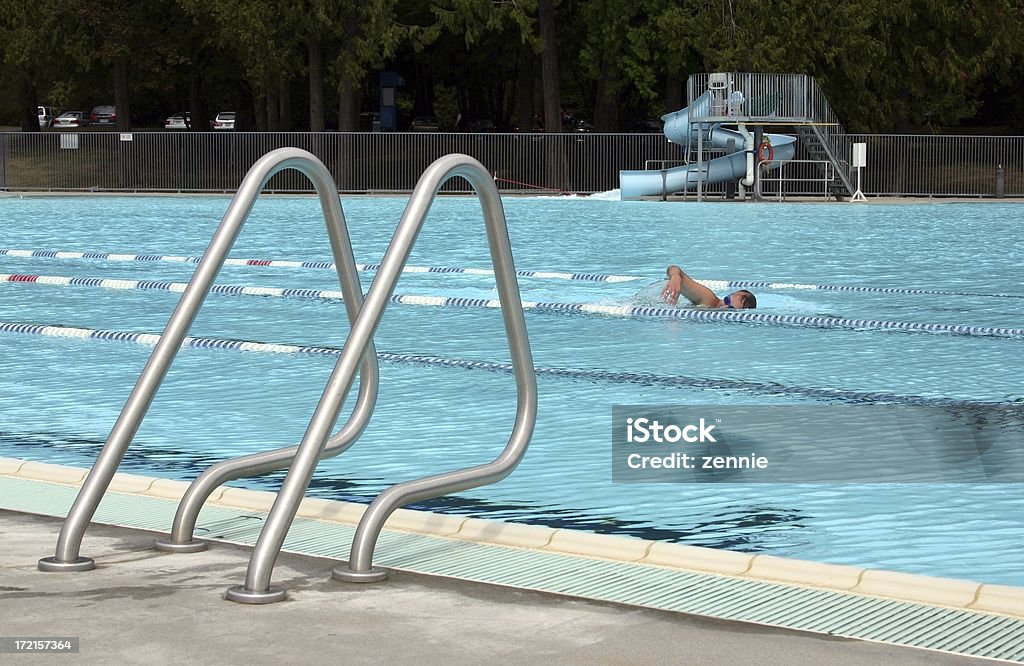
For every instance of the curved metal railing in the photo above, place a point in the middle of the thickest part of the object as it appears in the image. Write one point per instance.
(257, 587)
(67, 556)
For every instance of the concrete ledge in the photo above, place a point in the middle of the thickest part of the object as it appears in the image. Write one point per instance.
(54, 473)
(131, 483)
(599, 545)
(10, 466)
(1000, 599)
(424, 522)
(167, 489)
(255, 500)
(506, 534)
(818, 574)
(339, 512)
(696, 558)
(911, 587)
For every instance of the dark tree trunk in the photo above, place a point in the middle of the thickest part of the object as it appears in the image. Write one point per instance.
(273, 107)
(316, 86)
(527, 87)
(555, 161)
(124, 111)
(284, 104)
(606, 106)
(675, 93)
(348, 106)
(549, 68)
(27, 103)
(198, 111)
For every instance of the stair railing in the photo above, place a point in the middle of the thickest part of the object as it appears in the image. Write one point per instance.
(257, 589)
(67, 556)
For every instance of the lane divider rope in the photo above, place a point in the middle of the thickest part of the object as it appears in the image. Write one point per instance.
(559, 275)
(279, 263)
(563, 373)
(735, 316)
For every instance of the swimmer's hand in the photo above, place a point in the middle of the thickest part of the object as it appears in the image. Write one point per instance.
(670, 294)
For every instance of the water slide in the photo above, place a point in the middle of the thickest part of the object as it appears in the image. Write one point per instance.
(634, 184)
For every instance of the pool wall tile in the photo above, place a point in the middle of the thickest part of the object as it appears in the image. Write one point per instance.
(506, 534)
(818, 574)
(1000, 599)
(911, 587)
(599, 545)
(697, 558)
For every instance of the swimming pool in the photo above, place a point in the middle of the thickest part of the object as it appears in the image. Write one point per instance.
(60, 396)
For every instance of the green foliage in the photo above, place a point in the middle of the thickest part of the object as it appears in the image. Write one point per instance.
(883, 63)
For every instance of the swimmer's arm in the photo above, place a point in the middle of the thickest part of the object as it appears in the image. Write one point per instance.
(681, 283)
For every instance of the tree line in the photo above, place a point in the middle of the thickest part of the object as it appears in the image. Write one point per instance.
(285, 65)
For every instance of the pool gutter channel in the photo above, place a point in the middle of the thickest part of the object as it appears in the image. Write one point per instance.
(811, 596)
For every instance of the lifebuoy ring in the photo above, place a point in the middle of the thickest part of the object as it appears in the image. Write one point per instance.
(765, 152)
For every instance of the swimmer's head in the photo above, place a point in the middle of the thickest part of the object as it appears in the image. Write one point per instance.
(740, 300)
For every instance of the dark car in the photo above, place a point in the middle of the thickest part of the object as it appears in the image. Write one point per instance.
(481, 126)
(425, 124)
(649, 126)
(103, 115)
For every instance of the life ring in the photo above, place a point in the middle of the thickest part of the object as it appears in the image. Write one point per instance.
(765, 152)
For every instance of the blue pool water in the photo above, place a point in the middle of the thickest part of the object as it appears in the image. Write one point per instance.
(59, 397)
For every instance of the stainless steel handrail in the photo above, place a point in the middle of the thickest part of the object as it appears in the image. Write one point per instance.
(67, 556)
(257, 581)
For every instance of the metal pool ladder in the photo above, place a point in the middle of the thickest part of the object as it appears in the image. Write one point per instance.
(358, 353)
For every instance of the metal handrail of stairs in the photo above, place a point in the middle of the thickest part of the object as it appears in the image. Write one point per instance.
(67, 556)
(257, 589)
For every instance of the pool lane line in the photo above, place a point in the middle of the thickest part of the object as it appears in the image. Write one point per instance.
(734, 316)
(605, 376)
(559, 275)
(329, 265)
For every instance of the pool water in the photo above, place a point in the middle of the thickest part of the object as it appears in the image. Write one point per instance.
(59, 397)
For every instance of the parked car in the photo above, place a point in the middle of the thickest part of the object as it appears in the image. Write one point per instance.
(45, 116)
(224, 121)
(648, 126)
(580, 125)
(481, 126)
(425, 124)
(179, 121)
(71, 119)
(103, 115)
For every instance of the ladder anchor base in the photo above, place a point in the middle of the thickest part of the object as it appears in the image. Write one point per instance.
(79, 564)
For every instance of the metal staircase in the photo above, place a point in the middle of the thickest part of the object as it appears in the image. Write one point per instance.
(821, 149)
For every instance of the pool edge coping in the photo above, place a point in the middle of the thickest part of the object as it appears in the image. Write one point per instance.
(915, 588)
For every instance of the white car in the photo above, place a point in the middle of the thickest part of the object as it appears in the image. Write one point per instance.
(70, 119)
(178, 121)
(45, 116)
(225, 120)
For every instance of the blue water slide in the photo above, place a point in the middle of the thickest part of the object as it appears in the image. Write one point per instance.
(634, 184)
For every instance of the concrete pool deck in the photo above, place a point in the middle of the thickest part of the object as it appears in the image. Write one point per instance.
(615, 600)
(143, 606)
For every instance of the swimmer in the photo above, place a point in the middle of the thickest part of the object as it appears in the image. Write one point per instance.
(681, 283)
